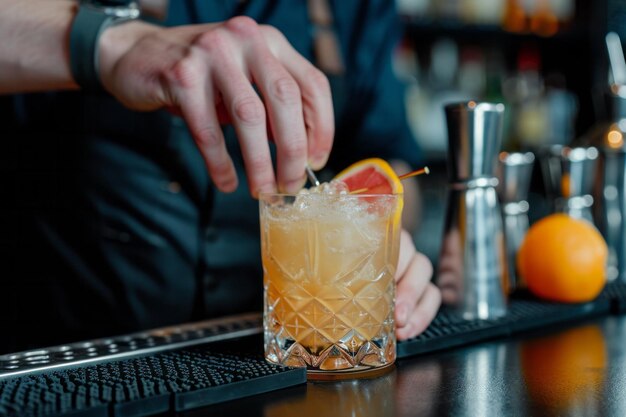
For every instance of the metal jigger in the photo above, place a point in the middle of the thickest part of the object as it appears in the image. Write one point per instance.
(610, 187)
(569, 175)
(472, 267)
(514, 175)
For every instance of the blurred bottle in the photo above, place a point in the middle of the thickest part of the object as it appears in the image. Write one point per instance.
(564, 10)
(472, 77)
(562, 106)
(482, 12)
(406, 67)
(444, 64)
(405, 62)
(524, 90)
(413, 8)
(542, 17)
(543, 21)
(447, 9)
(436, 86)
(514, 18)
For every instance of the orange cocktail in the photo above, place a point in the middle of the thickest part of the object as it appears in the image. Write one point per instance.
(329, 260)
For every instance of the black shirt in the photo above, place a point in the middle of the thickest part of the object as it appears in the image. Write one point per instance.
(112, 222)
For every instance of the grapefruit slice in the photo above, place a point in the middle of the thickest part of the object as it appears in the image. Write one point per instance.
(371, 176)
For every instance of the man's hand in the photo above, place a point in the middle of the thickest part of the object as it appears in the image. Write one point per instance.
(417, 299)
(208, 75)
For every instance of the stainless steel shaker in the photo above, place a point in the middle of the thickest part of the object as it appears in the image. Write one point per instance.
(609, 189)
(569, 174)
(472, 265)
(514, 175)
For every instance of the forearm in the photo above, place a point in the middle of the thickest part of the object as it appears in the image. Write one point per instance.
(34, 52)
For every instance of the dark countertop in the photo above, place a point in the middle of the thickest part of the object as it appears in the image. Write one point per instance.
(573, 370)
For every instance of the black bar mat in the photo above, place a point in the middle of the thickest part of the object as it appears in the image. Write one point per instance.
(169, 381)
(616, 294)
(524, 313)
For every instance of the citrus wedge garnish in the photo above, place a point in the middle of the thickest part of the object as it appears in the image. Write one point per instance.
(373, 175)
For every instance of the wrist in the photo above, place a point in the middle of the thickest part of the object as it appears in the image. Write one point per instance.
(117, 41)
(92, 19)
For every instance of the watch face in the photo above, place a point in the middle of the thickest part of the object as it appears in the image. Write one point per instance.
(111, 3)
(126, 9)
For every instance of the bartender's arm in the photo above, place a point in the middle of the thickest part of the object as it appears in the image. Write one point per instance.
(202, 72)
(206, 74)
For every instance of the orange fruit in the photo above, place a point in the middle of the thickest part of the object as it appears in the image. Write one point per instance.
(565, 371)
(563, 259)
(371, 176)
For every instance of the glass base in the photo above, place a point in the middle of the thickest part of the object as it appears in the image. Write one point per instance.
(352, 373)
(338, 358)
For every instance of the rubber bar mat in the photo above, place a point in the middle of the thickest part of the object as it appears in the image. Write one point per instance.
(448, 330)
(616, 294)
(168, 381)
(524, 313)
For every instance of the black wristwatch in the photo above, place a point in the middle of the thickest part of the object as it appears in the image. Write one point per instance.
(93, 17)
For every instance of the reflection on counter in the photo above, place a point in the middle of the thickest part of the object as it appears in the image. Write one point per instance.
(615, 385)
(565, 373)
(481, 382)
(484, 374)
(365, 397)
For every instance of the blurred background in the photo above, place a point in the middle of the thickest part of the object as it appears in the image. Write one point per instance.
(546, 60)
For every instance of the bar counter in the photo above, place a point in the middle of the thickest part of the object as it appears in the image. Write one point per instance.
(541, 359)
(567, 370)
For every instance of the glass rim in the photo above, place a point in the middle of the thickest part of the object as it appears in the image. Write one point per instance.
(280, 194)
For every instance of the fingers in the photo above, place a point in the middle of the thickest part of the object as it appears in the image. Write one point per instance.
(407, 250)
(423, 313)
(248, 116)
(411, 287)
(241, 103)
(204, 126)
(297, 108)
(190, 95)
(417, 299)
(283, 102)
(318, 110)
(317, 104)
(225, 62)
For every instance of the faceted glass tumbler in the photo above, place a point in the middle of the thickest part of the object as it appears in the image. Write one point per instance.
(329, 263)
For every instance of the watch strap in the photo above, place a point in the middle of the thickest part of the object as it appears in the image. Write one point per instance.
(85, 32)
